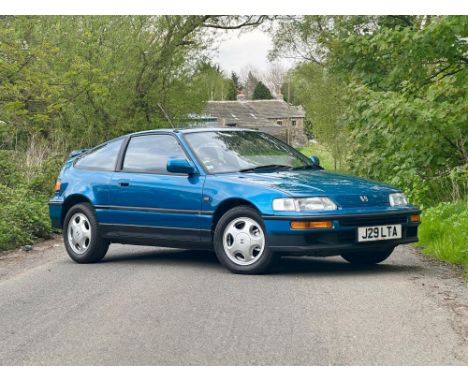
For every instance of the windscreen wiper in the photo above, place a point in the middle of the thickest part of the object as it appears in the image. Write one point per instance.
(267, 167)
(309, 166)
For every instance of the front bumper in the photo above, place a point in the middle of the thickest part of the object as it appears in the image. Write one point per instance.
(342, 238)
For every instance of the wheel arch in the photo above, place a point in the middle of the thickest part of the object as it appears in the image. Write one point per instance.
(69, 202)
(226, 205)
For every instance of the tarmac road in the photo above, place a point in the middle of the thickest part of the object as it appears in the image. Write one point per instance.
(155, 306)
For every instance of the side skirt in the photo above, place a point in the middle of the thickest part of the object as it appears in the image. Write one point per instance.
(171, 237)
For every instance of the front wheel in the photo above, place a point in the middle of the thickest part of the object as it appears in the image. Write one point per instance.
(81, 235)
(240, 242)
(367, 257)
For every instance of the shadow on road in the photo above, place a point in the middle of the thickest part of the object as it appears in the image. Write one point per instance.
(287, 265)
(335, 265)
(165, 256)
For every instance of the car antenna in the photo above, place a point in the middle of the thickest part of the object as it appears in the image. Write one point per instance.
(167, 117)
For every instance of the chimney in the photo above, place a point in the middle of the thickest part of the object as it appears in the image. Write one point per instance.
(241, 95)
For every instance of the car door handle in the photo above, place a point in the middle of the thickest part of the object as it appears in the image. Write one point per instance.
(123, 183)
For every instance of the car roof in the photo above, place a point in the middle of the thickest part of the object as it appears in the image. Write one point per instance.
(186, 130)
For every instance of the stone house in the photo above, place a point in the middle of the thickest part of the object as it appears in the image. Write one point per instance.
(275, 117)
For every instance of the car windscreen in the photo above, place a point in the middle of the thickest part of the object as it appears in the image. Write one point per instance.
(234, 151)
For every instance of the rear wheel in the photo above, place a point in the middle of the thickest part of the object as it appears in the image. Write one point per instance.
(81, 235)
(240, 242)
(368, 257)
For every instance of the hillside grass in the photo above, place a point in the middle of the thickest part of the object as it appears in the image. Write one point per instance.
(326, 159)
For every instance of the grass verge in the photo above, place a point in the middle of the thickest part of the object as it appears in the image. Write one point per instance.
(326, 159)
(443, 233)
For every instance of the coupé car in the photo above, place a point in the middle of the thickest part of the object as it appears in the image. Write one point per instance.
(242, 193)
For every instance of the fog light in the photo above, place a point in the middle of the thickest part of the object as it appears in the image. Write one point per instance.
(312, 225)
(415, 218)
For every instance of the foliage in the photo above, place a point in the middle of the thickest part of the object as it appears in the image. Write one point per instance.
(234, 87)
(79, 80)
(212, 84)
(405, 102)
(404, 107)
(25, 185)
(231, 91)
(73, 82)
(443, 232)
(326, 158)
(410, 93)
(250, 85)
(261, 92)
(322, 96)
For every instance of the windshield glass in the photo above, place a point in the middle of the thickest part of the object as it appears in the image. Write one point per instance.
(233, 151)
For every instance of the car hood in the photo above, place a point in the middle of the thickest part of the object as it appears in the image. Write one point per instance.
(346, 190)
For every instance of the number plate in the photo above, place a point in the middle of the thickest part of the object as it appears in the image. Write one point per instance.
(380, 232)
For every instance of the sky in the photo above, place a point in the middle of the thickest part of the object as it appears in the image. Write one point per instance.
(240, 51)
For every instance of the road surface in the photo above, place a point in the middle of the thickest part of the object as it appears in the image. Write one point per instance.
(155, 306)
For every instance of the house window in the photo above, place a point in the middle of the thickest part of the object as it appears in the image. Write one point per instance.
(279, 122)
(293, 122)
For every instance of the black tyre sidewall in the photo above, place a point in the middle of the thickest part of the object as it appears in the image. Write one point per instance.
(98, 246)
(267, 259)
(368, 257)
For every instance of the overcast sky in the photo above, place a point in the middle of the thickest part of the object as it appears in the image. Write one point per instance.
(239, 52)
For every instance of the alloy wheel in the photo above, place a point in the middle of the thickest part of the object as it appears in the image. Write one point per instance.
(244, 241)
(79, 233)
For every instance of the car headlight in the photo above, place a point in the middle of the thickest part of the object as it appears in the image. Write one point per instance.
(303, 204)
(398, 199)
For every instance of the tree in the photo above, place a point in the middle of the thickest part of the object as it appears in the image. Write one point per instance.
(233, 87)
(261, 92)
(403, 80)
(322, 96)
(250, 85)
(69, 82)
(212, 84)
(83, 79)
(231, 91)
(274, 78)
(235, 80)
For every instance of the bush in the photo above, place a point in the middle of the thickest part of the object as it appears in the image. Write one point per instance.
(24, 217)
(24, 191)
(443, 233)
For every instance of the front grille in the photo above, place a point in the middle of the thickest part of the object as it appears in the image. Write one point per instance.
(372, 220)
(347, 201)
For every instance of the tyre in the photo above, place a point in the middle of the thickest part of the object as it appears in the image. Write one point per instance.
(367, 257)
(81, 235)
(240, 242)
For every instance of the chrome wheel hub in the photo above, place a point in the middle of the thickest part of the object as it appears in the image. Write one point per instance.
(244, 241)
(79, 233)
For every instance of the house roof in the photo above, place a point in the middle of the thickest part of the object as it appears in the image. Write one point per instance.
(258, 114)
(248, 110)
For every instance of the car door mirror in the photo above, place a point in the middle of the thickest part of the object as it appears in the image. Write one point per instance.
(315, 160)
(180, 166)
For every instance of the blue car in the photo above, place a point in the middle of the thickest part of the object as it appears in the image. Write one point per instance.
(242, 193)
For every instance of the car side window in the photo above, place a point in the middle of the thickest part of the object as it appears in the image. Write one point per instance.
(103, 158)
(150, 153)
